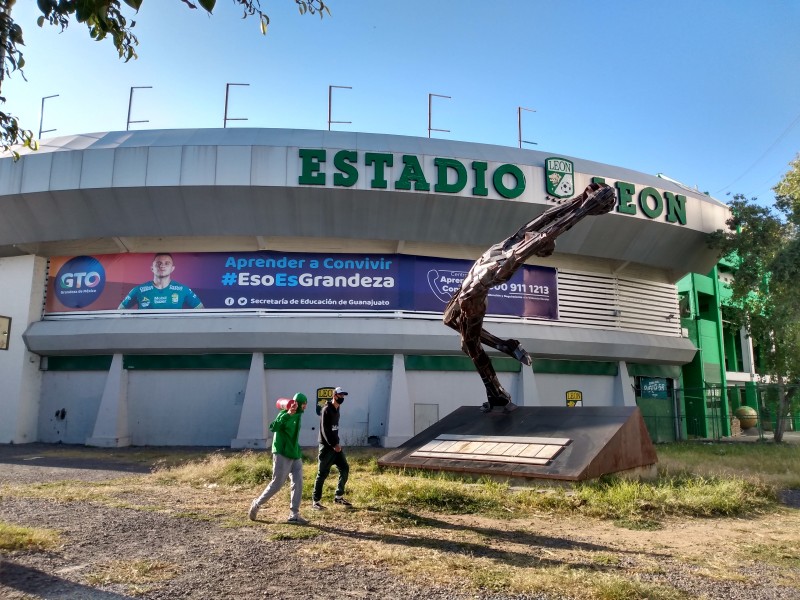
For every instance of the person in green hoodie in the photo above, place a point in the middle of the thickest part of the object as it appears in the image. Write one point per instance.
(287, 459)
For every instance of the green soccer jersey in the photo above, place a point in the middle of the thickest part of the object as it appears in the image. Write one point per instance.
(175, 295)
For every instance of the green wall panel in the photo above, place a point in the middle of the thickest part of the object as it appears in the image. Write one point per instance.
(79, 363)
(170, 362)
(457, 363)
(360, 362)
(574, 367)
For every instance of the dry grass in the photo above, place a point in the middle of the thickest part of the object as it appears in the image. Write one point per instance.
(136, 575)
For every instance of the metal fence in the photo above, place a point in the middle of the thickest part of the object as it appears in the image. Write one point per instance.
(712, 409)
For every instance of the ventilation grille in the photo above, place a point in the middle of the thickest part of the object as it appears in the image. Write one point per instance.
(607, 302)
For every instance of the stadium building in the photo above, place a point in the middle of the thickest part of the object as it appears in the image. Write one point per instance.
(297, 261)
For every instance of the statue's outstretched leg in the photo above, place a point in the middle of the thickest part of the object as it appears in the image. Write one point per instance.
(511, 347)
(466, 317)
(452, 318)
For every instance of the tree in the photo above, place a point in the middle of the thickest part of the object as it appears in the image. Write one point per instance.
(104, 19)
(765, 246)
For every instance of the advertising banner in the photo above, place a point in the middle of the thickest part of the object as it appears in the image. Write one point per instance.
(283, 281)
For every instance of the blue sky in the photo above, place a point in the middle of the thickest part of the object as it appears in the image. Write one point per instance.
(706, 92)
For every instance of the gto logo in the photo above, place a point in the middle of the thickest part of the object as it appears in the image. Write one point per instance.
(80, 282)
(77, 280)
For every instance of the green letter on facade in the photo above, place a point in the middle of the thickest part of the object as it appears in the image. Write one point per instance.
(497, 180)
(412, 171)
(644, 203)
(309, 173)
(348, 174)
(625, 193)
(676, 208)
(380, 161)
(480, 188)
(442, 166)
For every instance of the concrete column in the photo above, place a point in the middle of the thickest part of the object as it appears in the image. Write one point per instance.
(747, 353)
(252, 422)
(111, 429)
(530, 391)
(623, 388)
(400, 420)
(21, 297)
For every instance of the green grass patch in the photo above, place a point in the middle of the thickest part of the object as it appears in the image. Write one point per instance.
(776, 465)
(293, 532)
(396, 493)
(14, 538)
(242, 469)
(609, 587)
(688, 496)
(781, 554)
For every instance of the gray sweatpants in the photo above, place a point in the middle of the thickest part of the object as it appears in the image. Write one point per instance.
(282, 468)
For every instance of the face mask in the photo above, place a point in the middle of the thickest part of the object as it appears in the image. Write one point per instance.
(340, 400)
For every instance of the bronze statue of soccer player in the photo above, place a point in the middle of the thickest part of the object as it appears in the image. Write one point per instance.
(467, 307)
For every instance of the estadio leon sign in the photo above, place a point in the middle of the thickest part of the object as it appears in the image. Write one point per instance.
(452, 176)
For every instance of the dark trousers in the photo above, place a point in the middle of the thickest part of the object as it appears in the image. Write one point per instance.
(328, 457)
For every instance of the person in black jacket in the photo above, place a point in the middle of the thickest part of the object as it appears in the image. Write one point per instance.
(331, 452)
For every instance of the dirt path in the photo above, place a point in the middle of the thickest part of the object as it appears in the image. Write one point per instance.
(220, 555)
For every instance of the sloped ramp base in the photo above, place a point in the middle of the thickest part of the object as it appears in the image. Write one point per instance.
(572, 444)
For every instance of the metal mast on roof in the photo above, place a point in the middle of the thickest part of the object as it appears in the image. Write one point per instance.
(519, 125)
(130, 103)
(330, 98)
(226, 118)
(41, 116)
(430, 102)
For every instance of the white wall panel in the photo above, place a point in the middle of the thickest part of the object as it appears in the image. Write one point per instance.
(77, 394)
(130, 167)
(453, 389)
(66, 171)
(164, 166)
(10, 177)
(598, 390)
(233, 165)
(198, 165)
(36, 173)
(185, 408)
(97, 169)
(269, 166)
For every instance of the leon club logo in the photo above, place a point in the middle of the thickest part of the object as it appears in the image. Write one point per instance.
(559, 175)
(323, 395)
(80, 281)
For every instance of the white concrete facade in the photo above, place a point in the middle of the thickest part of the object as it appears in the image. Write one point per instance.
(226, 190)
(21, 299)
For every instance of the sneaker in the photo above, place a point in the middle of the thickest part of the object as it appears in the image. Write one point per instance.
(296, 519)
(318, 506)
(342, 501)
(251, 514)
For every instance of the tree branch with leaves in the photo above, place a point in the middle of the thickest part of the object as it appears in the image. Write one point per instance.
(104, 19)
(764, 245)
